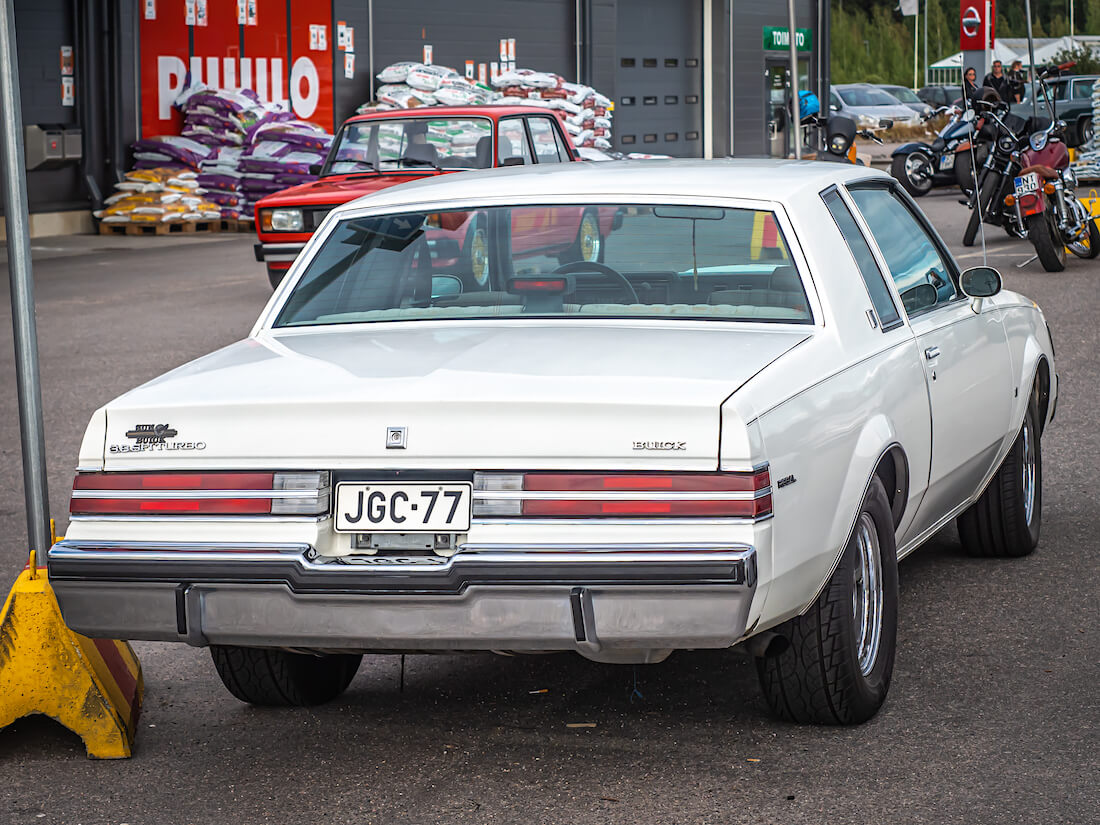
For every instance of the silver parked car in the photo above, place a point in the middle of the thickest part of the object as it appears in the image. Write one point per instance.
(867, 105)
(906, 96)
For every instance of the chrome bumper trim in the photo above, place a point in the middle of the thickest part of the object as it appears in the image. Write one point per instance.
(274, 252)
(485, 564)
(629, 604)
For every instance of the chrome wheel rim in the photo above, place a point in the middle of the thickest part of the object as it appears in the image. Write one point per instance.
(916, 170)
(1027, 473)
(590, 239)
(867, 593)
(479, 257)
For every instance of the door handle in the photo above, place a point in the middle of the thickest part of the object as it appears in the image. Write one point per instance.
(932, 353)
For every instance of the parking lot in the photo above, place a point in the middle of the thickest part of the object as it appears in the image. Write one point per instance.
(993, 716)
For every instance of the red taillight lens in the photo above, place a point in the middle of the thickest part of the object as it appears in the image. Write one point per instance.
(199, 493)
(586, 495)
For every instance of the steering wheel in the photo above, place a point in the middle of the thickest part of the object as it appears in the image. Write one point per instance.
(592, 266)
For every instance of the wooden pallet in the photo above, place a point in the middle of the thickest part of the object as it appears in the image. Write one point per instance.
(173, 228)
(234, 225)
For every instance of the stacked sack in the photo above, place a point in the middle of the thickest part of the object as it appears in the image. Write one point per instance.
(408, 85)
(279, 156)
(587, 113)
(158, 195)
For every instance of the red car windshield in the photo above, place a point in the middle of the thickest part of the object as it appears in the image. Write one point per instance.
(413, 143)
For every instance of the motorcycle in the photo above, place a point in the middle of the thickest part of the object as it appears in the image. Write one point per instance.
(946, 161)
(1007, 133)
(838, 137)
(1045, 200)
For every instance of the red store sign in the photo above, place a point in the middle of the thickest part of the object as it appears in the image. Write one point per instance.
(284, 52)
(972, 24)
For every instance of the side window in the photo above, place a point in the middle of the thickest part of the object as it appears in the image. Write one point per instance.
(876, 285)
(1081, 90)
(921, 274)
(512, 143)
(543, 135)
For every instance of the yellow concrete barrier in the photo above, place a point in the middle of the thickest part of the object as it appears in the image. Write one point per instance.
(93, 687)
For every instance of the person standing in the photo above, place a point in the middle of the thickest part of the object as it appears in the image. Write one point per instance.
(1016, 82)
(997, 80)
(970, 84)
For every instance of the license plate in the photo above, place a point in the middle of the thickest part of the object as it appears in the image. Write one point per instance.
(947, 162)
(1026, 184)
(402, 508)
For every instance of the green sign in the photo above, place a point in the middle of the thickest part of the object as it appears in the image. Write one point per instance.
(778, 39)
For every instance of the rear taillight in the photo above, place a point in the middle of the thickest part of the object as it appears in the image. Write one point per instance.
(198, 493)
(623, 495)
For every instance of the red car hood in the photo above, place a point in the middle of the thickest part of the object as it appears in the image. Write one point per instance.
(338, 189)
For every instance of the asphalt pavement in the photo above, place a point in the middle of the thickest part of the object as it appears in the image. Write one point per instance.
(993, 716)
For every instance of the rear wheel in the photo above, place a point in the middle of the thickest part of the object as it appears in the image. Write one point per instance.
(1084, 132)
(588, 246)
(475, 251)
(278, 678)
(837, 668)
(1005, 521)
(914, 172)
(1047, 240)
(988, 189)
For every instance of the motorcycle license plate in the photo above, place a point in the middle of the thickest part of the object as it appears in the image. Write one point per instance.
(947, 162)
(1026, 184)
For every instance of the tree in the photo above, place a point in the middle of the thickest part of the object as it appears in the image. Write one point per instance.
(1086, 60)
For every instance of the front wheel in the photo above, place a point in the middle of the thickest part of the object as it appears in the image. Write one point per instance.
(914, 173)
(978, 213)
(1047, 240)
(1005, 520)
(1087, 245)
(837, 668)
(278, 678)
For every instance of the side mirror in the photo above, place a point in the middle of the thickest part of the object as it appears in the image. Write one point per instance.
(833, 107)
(919, 297)
(980, 282)
(315, 168)
(446, 286)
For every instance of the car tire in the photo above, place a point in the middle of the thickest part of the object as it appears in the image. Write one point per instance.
(589, 244)
(475, 252)
(988, 189)
(1091, 247)
(906, 169)
(836, 669)
(1006, 519)
(278, 678)
(1047, 240)
(1084, 132)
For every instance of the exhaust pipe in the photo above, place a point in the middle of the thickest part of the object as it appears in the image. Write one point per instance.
(768, 644)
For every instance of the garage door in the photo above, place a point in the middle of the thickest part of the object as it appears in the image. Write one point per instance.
(458, 32)
(659, 77)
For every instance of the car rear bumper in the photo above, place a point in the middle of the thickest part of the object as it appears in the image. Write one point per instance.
(619, 603)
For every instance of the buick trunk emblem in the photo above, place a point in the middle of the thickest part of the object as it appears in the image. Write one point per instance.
(151, 433)
(395, 438)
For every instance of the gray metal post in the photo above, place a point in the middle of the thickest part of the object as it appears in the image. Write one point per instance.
(22, 290)
(796, 128)
(1031, 62)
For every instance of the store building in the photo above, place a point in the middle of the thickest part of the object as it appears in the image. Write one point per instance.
(692, 78)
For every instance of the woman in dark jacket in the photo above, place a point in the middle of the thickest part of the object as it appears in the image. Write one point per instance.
(970, 85)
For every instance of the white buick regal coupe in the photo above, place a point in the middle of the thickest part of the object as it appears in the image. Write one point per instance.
(618, 410)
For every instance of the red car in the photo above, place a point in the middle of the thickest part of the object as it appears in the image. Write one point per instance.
(382, 149)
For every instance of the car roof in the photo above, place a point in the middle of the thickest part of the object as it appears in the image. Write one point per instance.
(618, 181)
(495, 112)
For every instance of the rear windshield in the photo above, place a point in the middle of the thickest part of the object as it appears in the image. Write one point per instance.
(609, 260)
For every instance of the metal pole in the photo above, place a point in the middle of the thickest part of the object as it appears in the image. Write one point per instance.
(986, 37)
(22, 291)
(796, 128)
(1031, 62)
(916, 51)
(925, 42)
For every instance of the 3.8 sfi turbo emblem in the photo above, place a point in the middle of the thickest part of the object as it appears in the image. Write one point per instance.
(395, 438)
